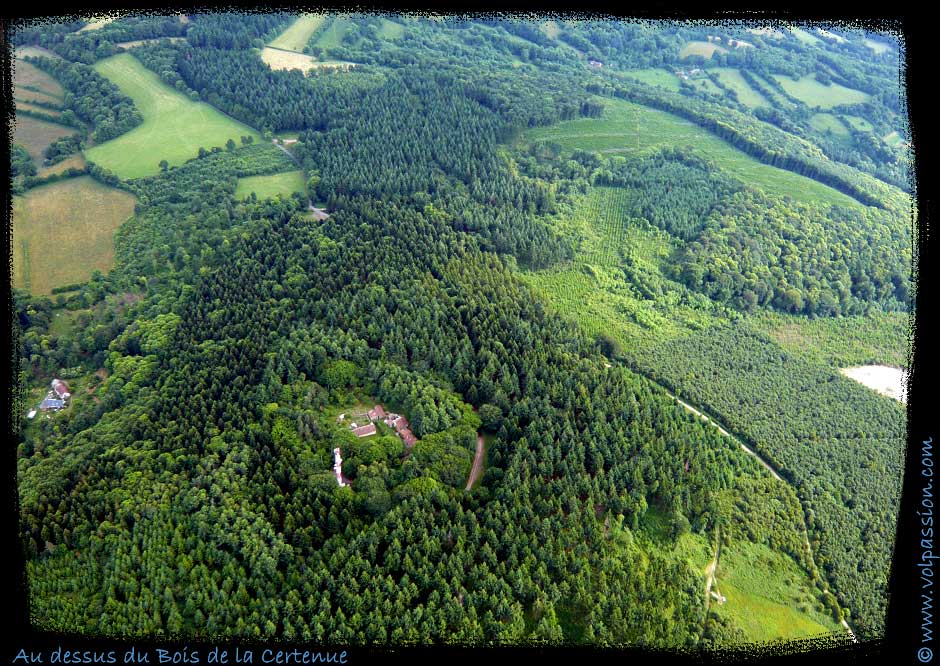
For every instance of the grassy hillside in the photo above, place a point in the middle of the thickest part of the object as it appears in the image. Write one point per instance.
(298, 33)
(629, 128)
(174, 126)
(813, 93)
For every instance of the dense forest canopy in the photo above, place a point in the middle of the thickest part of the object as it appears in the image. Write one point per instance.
(554, 489)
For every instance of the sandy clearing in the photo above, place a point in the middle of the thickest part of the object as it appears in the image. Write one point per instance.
(888, 381)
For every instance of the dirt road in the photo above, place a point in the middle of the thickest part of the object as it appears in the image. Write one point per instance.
(477, 464)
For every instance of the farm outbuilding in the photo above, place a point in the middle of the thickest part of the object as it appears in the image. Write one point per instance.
(61, 389)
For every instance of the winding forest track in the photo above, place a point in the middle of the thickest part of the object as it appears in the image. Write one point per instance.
(477, 464)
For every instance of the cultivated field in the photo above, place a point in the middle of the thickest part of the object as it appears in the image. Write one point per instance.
(73, 162)
(278, 59)
(174, 126)
(746, 94)
(298, 34)
(141, 42)
(271, 186)
(27, 106)
(812, 93)
(23, 51)
(35, 135)
(628, 128)
(704, 49)
(64, 231)
(28, 77)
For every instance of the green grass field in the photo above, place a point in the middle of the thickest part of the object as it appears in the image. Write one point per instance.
(706, 85)
(174, 126)
(271, 186)
(828, 123)
(746, 94)
(812, 93)
(804, 36)
(390, 30)
(298, 34)
(877, 47)
(655, 77)
(704, 49)
(331, 35)
(64, 231)
(858, 123)
(768, 595)
(628, 128)
(893, 139)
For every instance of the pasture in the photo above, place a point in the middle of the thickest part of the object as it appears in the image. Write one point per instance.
(270, 186)
(827, 123)
(768, 595)
(813, 93)
(893, 139)
(174, 126)
(64, 231)
(877, 47)
(390, 30)
(655, 76)
(859, 123)
(633, 129)
(766, 32)
(298, 34)
(746, 94)
(803, 36)
(331, 35)
(704, 49)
